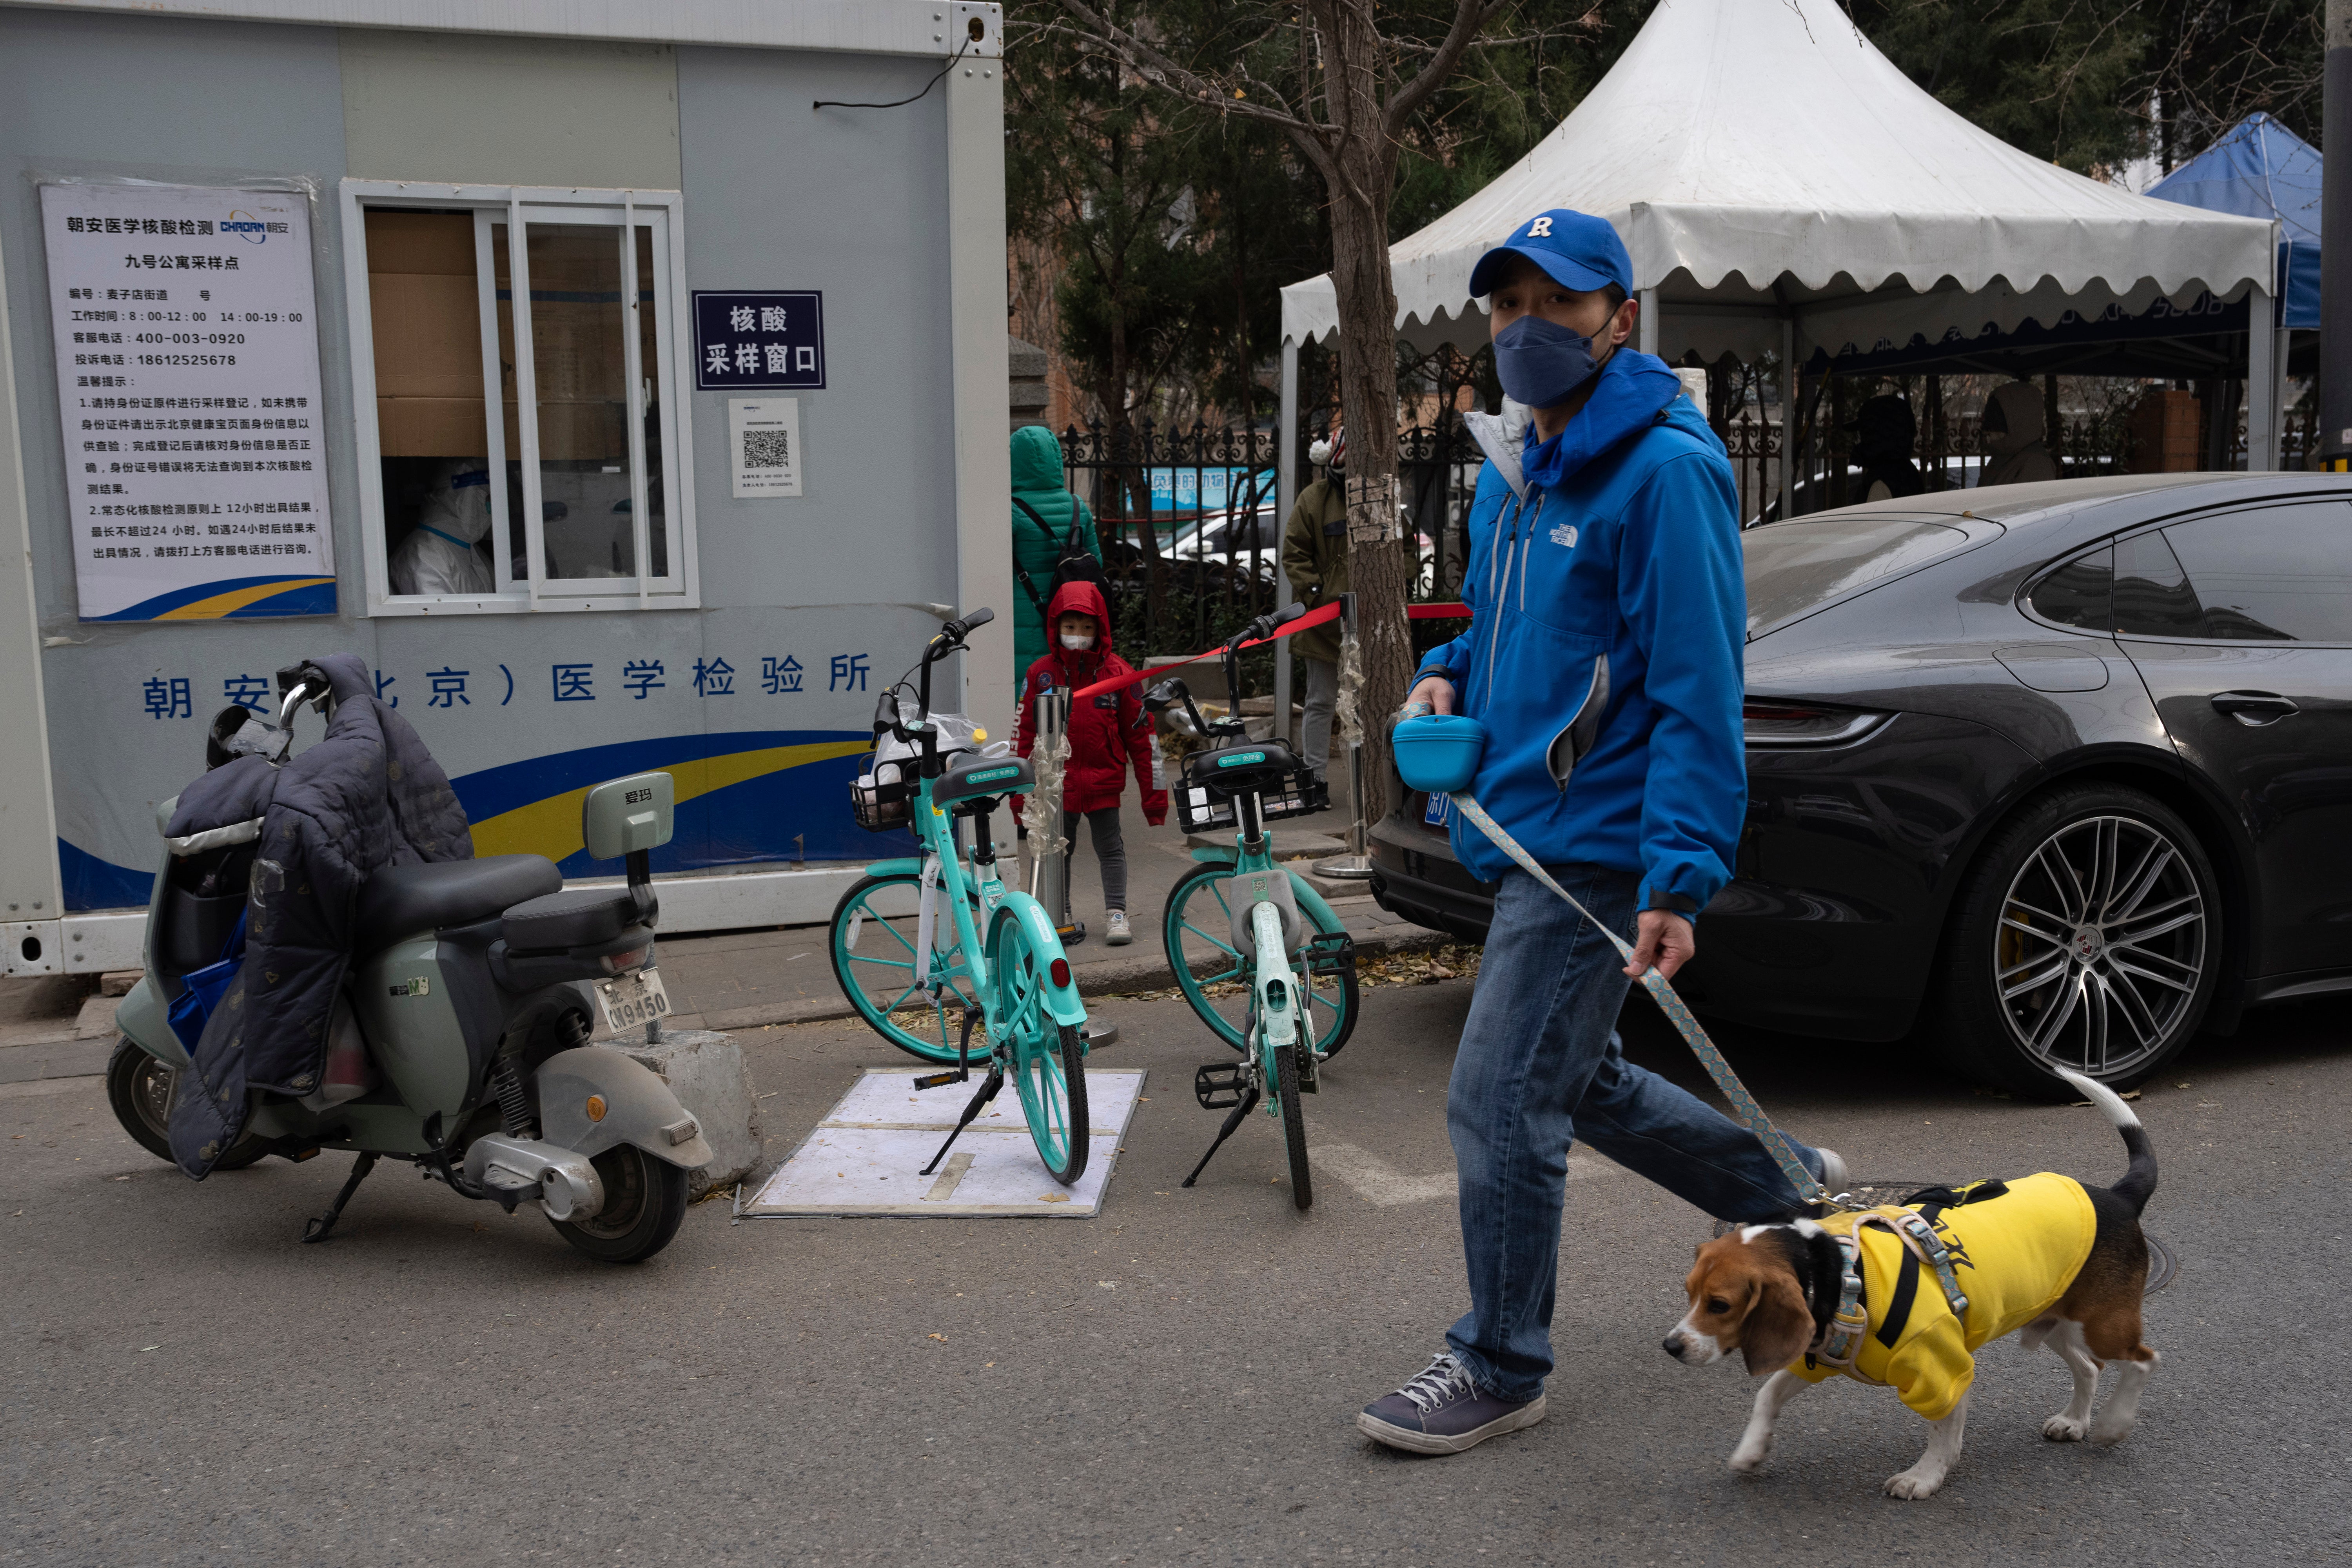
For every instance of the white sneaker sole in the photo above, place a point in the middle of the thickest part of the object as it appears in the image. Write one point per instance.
(1118, 938)
(1414, 1442)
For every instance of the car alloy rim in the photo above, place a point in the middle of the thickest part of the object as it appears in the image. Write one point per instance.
(2101, 945)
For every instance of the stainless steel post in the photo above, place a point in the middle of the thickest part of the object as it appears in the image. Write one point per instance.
(1286, 496)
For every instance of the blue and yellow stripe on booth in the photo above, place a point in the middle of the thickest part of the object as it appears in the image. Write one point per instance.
(743, 797)
(235, 598)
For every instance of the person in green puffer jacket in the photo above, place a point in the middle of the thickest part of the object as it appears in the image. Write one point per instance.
(1037, 483)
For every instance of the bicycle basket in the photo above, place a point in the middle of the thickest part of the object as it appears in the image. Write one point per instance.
(1298, 793)
(881, 797)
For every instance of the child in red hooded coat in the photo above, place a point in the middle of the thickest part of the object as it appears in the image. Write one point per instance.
(1107, 732)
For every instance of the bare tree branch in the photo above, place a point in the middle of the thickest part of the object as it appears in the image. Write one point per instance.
(1173, 77)
(1470, 19)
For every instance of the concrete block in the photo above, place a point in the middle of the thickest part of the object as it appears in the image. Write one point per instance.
(95, 1020)
(118, 982)
(705, 1069)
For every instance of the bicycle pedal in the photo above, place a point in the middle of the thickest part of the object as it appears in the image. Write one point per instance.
(1219, 1086)
(941, 1079)
(1331, 952)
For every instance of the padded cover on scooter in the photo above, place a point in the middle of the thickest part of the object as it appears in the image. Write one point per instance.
(401, 900)
(367, 797)
(584, 917)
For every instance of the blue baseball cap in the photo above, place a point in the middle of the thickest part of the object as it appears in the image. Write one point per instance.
(1576, 249)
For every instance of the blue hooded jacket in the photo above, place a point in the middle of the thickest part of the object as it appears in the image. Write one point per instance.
(1620, 543)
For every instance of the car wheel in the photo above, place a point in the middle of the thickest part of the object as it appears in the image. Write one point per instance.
(2088, 936)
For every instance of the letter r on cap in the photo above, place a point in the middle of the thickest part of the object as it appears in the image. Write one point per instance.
(1539, 229)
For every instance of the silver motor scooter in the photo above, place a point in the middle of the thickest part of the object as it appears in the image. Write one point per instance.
(463, 1029)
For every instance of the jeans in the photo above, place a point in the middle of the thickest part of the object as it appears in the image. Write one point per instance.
(1315, 725)
(1539, 1066)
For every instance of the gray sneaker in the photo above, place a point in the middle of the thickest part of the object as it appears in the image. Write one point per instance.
(1442, 1412)
(1116, 931)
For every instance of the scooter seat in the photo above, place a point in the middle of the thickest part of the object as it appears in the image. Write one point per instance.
(402, 900)
(560, 922)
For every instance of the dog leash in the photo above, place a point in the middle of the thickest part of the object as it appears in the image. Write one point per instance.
(1752, 1114)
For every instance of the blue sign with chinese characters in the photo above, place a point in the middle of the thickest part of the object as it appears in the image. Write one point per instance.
(759, 341)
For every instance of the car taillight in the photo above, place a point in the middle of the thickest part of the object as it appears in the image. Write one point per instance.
(1779, 723)
(621, 963)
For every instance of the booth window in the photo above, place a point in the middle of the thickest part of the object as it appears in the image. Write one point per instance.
(524, 456)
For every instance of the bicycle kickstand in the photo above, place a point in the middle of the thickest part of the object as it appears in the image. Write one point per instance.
(1234, 1120)
(988, 1088)
(962, 1073)
(319, 1229)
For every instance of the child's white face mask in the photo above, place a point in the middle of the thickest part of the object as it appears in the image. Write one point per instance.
(1076, 642)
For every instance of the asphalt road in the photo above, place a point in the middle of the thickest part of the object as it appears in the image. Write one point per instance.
(1173, 1381)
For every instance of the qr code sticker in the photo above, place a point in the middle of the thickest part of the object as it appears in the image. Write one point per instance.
(766, 449)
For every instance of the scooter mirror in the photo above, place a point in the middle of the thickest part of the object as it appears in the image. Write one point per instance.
(625, 816)
(1161, 698)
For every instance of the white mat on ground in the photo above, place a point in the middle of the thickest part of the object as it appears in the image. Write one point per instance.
(866, 1155)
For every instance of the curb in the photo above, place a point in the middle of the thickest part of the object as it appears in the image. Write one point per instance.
(1099, 979)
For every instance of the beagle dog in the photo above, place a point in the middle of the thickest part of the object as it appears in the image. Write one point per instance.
(1904, 1297)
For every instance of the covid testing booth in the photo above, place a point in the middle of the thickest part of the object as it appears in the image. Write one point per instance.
(625, 383)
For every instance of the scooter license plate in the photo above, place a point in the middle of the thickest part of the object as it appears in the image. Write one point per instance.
(629, 1000)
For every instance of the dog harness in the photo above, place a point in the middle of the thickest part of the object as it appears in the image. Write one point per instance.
(1851, 1319)
(2001, 1255)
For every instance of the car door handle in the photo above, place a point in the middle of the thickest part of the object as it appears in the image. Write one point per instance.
(2252, 708)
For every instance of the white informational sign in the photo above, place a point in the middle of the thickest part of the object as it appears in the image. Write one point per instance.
(188, 343)
(764, 435)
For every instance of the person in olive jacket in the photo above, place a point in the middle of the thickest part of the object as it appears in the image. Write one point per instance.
(1037, 488)
(1314, 558)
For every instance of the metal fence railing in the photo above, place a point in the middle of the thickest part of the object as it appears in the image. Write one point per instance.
(1191, 531)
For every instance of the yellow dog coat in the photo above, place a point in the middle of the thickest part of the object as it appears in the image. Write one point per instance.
(2015, 1256)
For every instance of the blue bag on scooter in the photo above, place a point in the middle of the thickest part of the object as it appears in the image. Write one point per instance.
(203, 990)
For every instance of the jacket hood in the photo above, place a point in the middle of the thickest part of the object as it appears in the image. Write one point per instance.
(1502, 436)
(1077, 597)
(2019, 406)
(1036, 459)
(1634, 388)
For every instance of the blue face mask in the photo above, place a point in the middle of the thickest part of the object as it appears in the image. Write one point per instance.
(1541, 362)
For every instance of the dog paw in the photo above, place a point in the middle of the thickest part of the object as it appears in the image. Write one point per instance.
(1913, 1486)
(1748, 1458)
(2064, 1429)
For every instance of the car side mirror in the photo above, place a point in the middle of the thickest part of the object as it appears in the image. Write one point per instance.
(628, 817)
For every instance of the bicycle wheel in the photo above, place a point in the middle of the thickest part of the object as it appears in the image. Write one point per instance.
(1049, 1070)
(1198, 932)
(872, 942)
(1294, 1125)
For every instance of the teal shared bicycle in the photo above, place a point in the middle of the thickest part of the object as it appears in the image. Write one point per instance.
(1255, 950)
(906, 939)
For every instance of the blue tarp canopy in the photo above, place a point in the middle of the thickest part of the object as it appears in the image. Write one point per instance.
(2260, 169)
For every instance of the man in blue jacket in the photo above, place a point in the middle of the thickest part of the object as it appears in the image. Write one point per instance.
(1603, 658)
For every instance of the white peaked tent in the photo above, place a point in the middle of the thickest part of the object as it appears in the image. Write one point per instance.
(1781, 184)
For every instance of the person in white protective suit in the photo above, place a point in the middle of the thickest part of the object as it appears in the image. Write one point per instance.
(2014, 437)
(439, 555)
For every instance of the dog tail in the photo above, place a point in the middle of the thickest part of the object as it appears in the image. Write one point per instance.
(2139, 1181)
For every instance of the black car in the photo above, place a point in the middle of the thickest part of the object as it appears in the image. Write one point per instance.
(2063, 770)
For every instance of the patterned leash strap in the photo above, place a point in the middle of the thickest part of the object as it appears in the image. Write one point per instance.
(1743, 1103)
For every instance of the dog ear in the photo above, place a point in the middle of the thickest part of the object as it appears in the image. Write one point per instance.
(1779, 1326)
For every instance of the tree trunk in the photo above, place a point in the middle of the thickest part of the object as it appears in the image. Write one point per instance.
(1381, 560)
